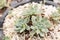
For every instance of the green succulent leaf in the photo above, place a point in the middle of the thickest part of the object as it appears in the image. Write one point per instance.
(21, 24)
(32, 33)
(41, 34)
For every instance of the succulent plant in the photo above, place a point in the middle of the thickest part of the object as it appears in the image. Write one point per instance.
(39, 25)
(31, 19)
(56, 15)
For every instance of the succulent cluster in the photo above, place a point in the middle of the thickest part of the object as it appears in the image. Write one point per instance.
(33, 21)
